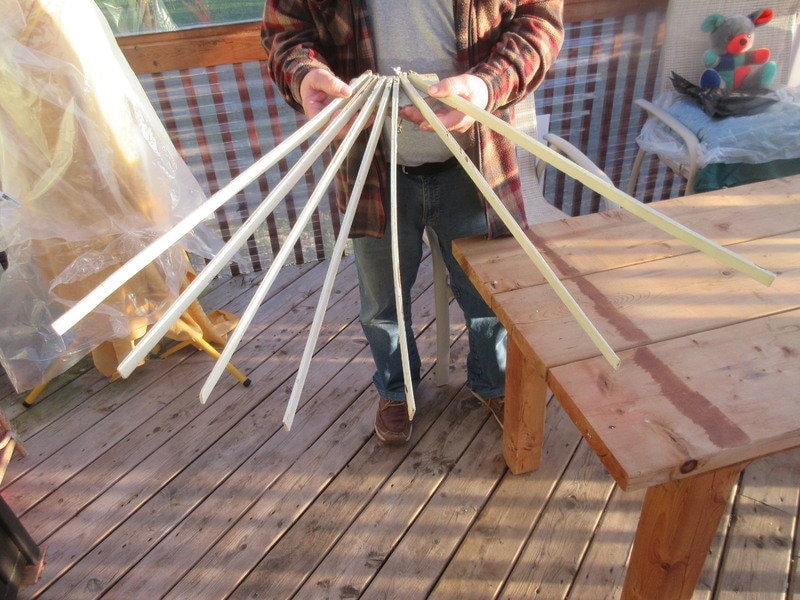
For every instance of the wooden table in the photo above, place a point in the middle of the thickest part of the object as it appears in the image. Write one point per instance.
(710, 367)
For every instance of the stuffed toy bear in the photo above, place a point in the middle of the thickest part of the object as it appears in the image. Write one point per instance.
(732, 62)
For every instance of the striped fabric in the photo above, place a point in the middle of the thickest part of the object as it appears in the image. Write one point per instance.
(222, 119)
(604, 65)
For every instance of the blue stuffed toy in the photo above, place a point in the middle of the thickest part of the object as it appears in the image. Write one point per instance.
(732, 62)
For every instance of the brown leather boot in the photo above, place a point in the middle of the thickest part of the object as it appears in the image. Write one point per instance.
(392, 425)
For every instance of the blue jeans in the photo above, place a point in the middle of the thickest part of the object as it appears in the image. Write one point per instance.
(449, 204)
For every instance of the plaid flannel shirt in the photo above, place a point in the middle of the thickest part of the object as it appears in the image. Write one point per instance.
(508, 44)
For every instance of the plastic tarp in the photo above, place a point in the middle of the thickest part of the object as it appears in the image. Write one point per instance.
(90, 177)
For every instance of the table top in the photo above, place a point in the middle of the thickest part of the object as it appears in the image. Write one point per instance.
(710, 358)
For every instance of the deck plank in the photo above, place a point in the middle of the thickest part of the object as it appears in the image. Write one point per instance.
(425, 548)
(300, 549)
(561, 537)
(195, 456)
(363, 549)
(97, 424)
(139, 491)
(602, 570)
(174, 437)
(758, 556)
(44, 424)
(482, 563)
(281, 466)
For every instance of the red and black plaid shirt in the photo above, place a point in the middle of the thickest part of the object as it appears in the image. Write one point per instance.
(510, 45)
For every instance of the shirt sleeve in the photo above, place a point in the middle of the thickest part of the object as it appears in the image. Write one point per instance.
(518, 47)
(292, 45)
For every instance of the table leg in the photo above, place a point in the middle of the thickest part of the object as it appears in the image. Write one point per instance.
(525, 403)
(677, 526)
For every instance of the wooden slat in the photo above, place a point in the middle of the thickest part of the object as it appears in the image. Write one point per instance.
(190, 48)
(697, 430)
(625, 314)
(615, 229)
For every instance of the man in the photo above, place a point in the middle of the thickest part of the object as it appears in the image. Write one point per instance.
(490, 52)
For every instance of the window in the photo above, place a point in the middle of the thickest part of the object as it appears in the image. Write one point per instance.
(144, 16)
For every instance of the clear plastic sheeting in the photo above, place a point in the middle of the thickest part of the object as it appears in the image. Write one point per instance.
(136, 16)
(754, 139)
(89, 177)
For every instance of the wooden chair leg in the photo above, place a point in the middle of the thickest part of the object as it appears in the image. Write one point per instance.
(209, 349)
(33, 395)
(203, 345)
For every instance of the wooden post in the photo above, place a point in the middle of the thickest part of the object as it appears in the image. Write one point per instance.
(678, 522)
(525, 404)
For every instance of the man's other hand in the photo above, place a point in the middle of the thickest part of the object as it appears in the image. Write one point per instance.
(469, 87)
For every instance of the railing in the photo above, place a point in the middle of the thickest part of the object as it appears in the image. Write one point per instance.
(213, 94)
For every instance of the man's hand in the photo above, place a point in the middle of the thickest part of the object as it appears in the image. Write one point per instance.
(319, 88)
(467, 86)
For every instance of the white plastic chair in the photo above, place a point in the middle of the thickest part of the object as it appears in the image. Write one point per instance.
(679, 146)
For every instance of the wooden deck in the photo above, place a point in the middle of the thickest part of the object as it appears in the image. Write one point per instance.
(138, 491)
